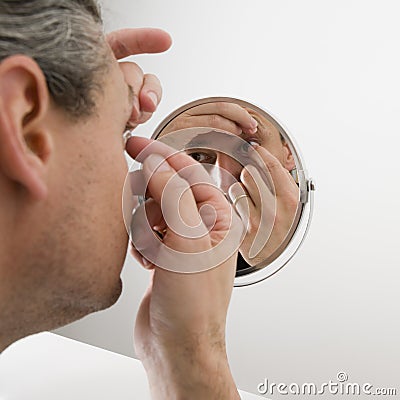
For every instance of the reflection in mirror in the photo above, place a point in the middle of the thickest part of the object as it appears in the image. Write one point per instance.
(255, 163)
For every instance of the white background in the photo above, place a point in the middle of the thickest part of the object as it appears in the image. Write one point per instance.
(329, 70)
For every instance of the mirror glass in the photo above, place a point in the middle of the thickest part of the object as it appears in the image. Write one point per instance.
(260, 171)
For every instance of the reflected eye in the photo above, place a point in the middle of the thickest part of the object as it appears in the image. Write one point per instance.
(245, 146)
(202, 157)
(253, 142)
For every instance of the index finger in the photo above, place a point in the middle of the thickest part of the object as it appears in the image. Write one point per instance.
(230, 111)
(131, 41)
(193, 172)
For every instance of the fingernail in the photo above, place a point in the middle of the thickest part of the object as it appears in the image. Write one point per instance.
(136, 106)
(157, 162)
(253, 123)
(153, 97)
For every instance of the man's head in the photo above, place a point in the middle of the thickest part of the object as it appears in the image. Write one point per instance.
(64, 105)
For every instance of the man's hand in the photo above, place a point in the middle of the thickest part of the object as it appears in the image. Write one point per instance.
(146, 88)
(180, 326)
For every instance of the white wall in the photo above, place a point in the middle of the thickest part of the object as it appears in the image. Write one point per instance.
(329, 70)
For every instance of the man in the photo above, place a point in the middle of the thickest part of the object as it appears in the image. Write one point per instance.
(64, 105)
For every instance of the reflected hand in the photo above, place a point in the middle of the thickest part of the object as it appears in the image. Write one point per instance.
(262, 209)
(228, 117)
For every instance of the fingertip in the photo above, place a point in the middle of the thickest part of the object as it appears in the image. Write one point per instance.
(167, 40)
(150, 94)
(251, 131)
(136, 144)
(244, 175)
(130, 41)
(253, 123)
(153, 99)
(158, 39)
(149, 101)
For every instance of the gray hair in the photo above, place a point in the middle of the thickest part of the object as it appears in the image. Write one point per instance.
(65, 38)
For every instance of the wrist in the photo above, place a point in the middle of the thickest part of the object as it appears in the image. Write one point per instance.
(195, 370)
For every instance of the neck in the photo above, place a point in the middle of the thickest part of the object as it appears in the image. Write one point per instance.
(10, 248)
(7, 334)
(4, 343)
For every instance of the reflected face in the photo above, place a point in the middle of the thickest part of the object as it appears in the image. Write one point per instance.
(230, 150)
(267, 136)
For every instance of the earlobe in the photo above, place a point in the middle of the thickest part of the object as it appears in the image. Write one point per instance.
(25, 144)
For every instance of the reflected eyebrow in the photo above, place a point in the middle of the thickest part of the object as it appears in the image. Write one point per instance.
(196, 143)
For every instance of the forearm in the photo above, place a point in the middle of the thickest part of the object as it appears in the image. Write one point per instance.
(195, 373)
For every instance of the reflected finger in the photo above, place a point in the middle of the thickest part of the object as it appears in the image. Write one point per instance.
(256, 187)
(283, 181)
(231, 111)
(204, 120)
(242, 202)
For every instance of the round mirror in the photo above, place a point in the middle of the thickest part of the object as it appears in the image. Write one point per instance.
(258, 166)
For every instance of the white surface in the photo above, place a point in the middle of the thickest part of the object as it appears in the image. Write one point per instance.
(330, 71)
(50, 367)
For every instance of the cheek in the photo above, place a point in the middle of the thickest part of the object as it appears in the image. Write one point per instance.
(110, 175)
(108, 156)
(105, 224)
(102, 175)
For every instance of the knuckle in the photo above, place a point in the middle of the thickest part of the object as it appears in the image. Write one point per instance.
(215, 120)
(273, 163)
(222, 107)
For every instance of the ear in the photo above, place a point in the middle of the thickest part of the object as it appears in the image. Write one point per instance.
(288, 159)
(25, 143)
